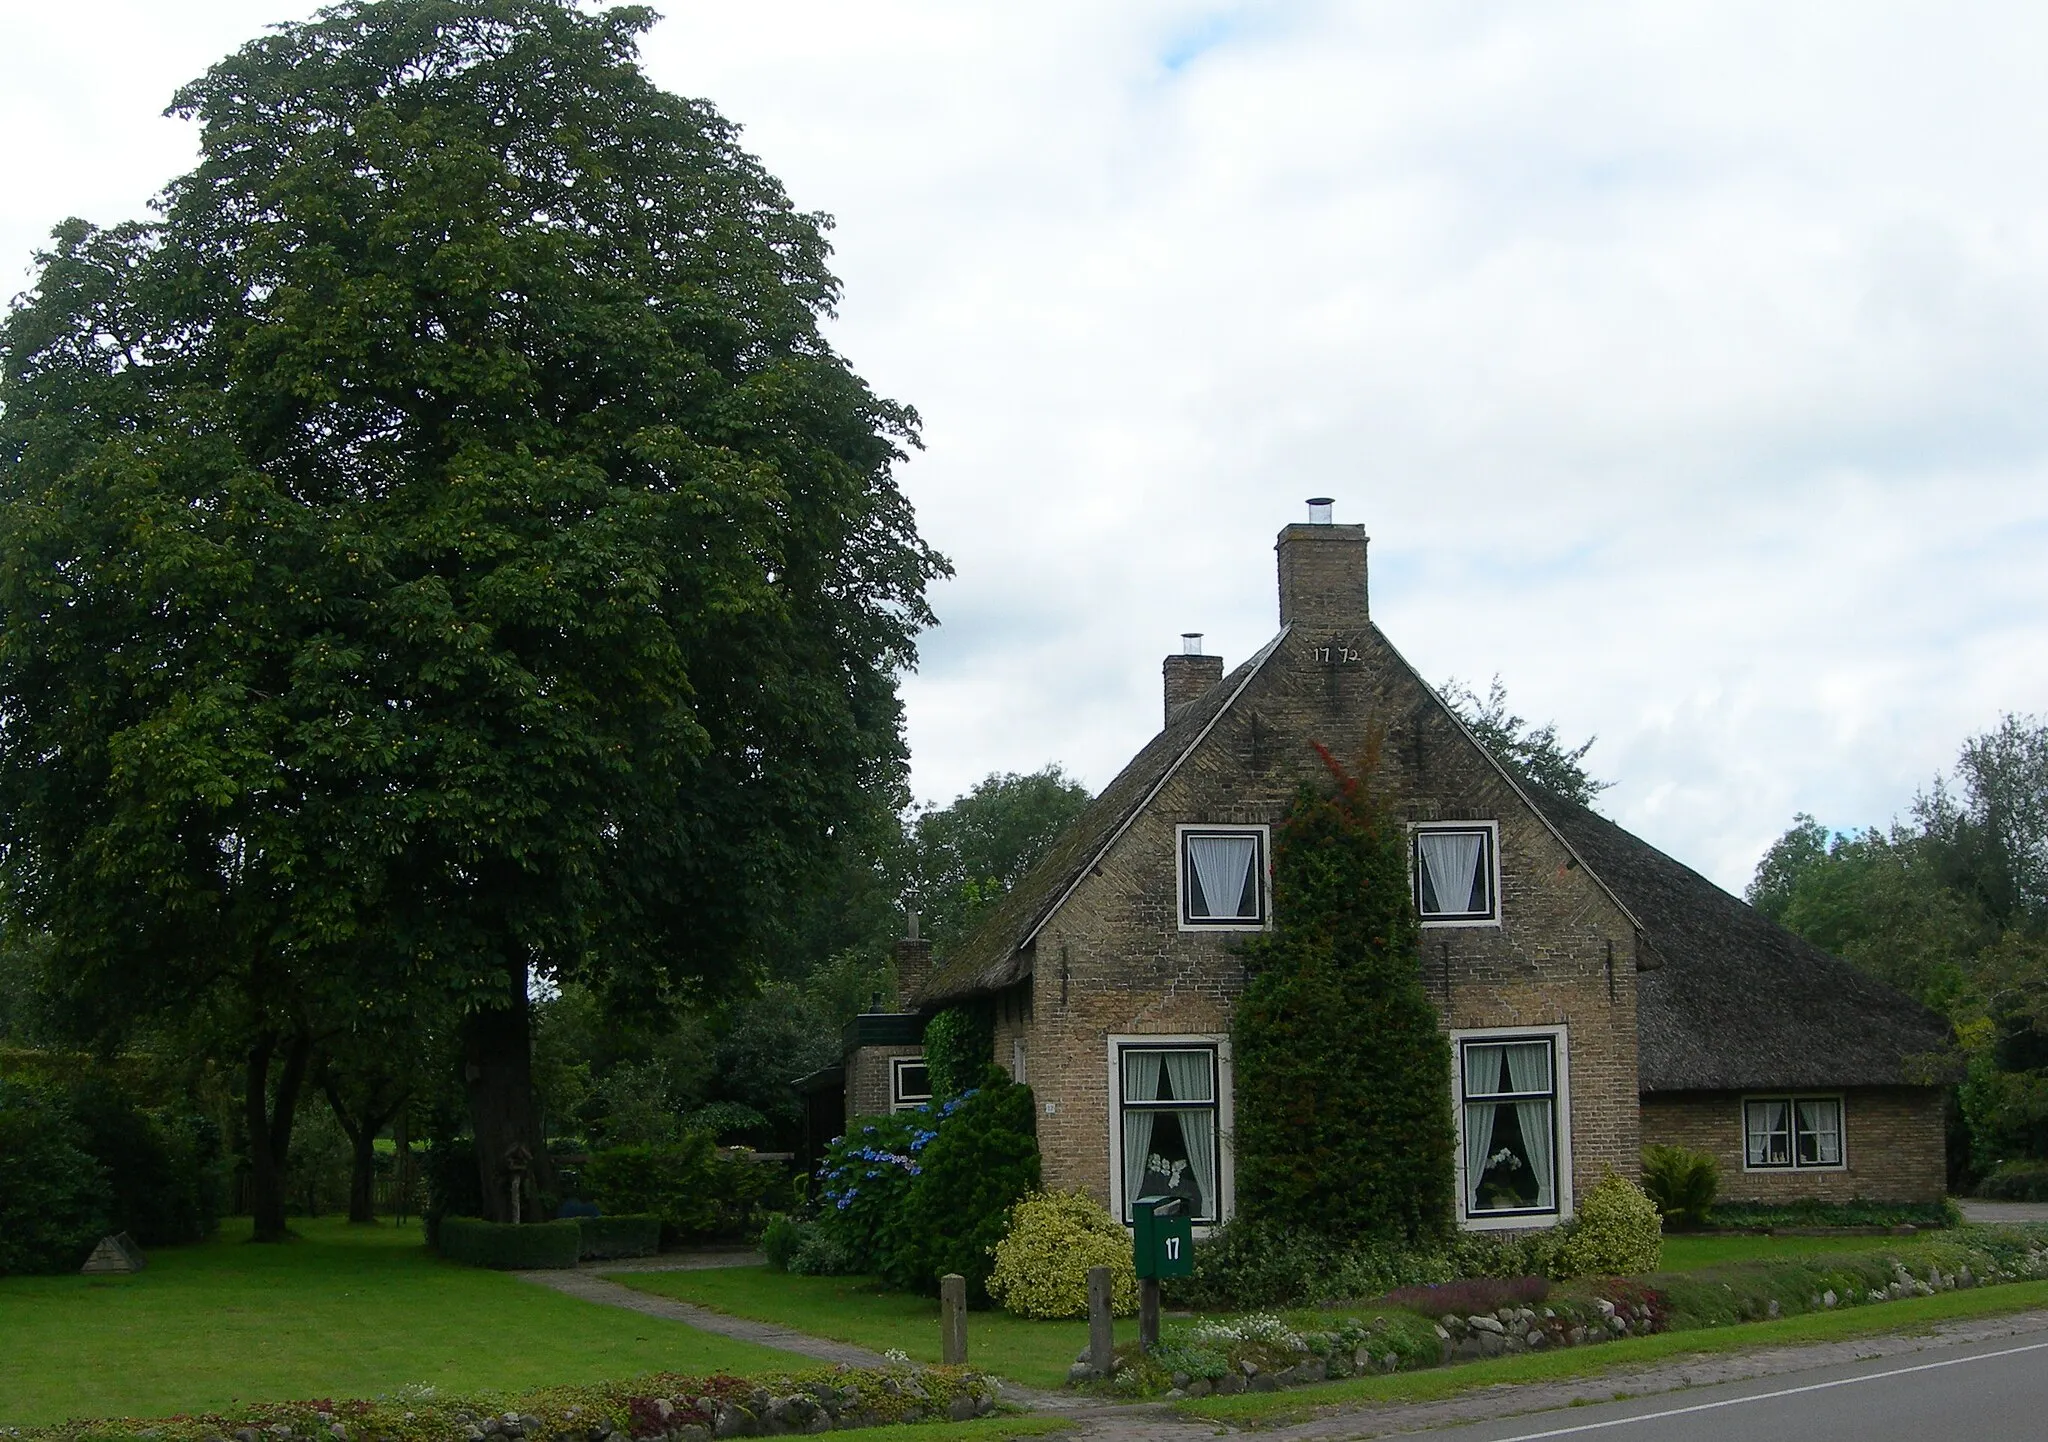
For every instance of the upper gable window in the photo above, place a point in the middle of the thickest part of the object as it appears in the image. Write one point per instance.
(1457, 873)
(1223, 877)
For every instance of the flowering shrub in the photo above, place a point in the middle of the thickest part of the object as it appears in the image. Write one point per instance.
(1043, 1259)
(866, 1180)
(1617, 1232)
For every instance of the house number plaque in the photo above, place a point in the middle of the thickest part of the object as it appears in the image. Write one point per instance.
(1336, 654)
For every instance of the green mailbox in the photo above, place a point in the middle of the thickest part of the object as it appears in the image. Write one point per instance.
(1163, 1237)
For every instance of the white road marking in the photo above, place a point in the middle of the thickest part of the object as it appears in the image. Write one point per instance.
(1767, 1396)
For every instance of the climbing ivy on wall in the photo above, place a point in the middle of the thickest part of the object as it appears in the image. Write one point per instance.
(959, 1045)
(1343, 1076)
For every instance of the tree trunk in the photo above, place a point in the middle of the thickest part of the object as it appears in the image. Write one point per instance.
(362, 1141)
(270, 1126)
(497, 1058)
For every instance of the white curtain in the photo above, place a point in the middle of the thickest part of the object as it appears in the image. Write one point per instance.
(1189, 1074)
(1482, 1078)
(1223, 864)
(1141, 1083)
(1529, 1071)
(1822, 1120)
(1451, 861)
(1766, 1123)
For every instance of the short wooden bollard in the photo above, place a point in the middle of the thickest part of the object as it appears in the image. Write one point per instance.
(1101, 1322)
(1148, 1313)
(953, 1319)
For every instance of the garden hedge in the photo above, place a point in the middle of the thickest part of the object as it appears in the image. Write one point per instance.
(627, 1236)
(532, 1246)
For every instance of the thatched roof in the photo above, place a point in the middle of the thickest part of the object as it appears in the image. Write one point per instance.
(1734, 1001)
(996, 953)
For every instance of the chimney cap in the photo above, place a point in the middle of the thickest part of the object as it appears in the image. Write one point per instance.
(1191, 643)
(1319, 510)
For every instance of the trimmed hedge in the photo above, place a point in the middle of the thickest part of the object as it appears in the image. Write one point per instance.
(628, 1236)
(695, 1188)
(528, 1247)
(54, 1198)
(1738, 1216)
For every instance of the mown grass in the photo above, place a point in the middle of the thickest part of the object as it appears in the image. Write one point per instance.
(1684, 1253)
(1910, 1315)
(340, 1312)
(860, 1311)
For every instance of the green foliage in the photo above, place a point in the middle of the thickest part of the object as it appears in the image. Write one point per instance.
(959, 1045)
(1682, 1182)
(53, 1194)
(1811, 1212)
(839, 1398)
(1246, 1264)
(1951, 907)
(2022, 1181)
(1344, 1121)
(968, 854)
(695, 1188)
(865, 1182)
(1042, 1263)
(622, 1236)
(454, 1188)
(1532, 754)
(984, 1158)
(1616, 1232)
(530, 1246)
(462, 445)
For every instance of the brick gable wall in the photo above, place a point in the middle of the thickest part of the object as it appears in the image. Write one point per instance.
(1113, 961)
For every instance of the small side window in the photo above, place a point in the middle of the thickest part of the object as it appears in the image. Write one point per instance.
(910, 1084)
(1791, 1133)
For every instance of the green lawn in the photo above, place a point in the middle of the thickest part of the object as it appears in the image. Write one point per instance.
(341, 1312)
(1686, 1254)
(858, 1310)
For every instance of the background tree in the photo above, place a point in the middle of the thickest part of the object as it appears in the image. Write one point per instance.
(972, 851)
(1948, 905)
(1532, 753)
(441, 551)
(1344, 1120)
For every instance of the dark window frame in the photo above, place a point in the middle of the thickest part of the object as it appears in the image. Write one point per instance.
(1184, 868)
(1794, 1131)
(1489, 870)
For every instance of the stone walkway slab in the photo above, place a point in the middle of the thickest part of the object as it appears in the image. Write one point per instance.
(2003, 1212)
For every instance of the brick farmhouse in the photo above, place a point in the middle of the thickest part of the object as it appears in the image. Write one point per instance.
(1599, 996)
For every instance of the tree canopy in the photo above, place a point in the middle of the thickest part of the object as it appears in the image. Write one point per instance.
(1533, 754)
(441, 547)
(1951, 906)
(973, 850)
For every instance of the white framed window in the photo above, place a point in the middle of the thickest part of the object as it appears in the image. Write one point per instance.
(1514, 1127)
(910, 1084)
(1456, 867)
(1170, 1123)
(1222, 874)
(1792, 1133)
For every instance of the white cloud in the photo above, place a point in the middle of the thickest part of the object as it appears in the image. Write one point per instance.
(1684, 360)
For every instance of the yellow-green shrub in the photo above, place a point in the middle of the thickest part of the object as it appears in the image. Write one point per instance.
(1617, 1233)
(1043, 1259)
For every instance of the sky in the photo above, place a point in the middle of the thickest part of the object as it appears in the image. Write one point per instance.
(1685, 362)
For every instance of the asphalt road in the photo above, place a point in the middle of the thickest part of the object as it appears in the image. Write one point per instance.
(1995, 1390)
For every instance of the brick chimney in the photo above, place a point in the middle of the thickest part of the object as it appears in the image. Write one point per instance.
(913, 957)
(1189, 673)
(1322, 570)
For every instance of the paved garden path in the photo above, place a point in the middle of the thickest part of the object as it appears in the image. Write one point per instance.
(1998, 1212)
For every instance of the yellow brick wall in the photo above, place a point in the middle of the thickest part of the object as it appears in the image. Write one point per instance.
(1892, 1146)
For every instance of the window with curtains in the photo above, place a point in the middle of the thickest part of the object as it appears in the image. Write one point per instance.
(1510, 1124)
(1792, 1132)
(1457, 873)
(1223, 877)
(1169, 1128)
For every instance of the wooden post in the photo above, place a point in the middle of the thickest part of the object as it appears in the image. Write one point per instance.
(953, 1319)
(1148, 1313)
(1101, 1323)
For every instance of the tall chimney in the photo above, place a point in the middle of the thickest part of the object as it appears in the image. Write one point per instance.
(1322, 570)
(1189, 673)
(913, 955)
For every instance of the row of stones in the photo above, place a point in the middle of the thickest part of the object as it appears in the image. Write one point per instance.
(1524, 1329)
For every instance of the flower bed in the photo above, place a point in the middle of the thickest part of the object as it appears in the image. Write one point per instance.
(1438, 1325)
(664, 1407)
